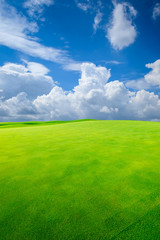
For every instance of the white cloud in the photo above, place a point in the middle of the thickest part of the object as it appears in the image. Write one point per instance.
(121, 32)
(31, 79)
(79, 102)
(93, 97)
(84, 4)
(138, 84)
(16, 33)
(55, 105)
(92, 77)
(114, 62)
(12, 23)
(37, 68)
(97, 20)
(145, 105)
(18, 108)
(156, 11)
(150, 80)
(97, 6)
(153, 77)
(36, 7)
(73, 66)
(105, 109)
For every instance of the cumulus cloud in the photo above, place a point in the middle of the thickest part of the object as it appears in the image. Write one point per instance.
(94, 97)
(153, 77)
(121, 32)
(56, 105)
(31, 79)
(156, 11)
(36, 7)
(150, 80)
(79, 102)
(16, 32)
(145, 105)
(18, 108)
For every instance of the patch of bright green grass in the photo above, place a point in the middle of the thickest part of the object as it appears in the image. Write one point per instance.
(82, 180)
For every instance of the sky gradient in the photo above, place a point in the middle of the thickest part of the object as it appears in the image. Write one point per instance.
(64, 60)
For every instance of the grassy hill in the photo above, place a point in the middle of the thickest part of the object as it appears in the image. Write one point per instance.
(80, 180)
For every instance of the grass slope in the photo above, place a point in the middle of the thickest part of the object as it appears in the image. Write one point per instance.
(83, 180)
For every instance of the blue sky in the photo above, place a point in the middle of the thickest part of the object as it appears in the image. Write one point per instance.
(74, 59)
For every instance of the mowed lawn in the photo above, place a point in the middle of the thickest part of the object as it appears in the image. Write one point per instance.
(82, 180)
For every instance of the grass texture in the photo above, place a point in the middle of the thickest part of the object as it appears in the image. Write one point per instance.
(80, 180)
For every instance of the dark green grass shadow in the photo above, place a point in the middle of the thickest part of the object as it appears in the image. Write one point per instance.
(145, 228)
(38, 123)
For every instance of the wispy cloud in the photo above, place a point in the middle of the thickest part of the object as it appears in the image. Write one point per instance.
(16, 32)
(36, 7)
(94, 8)
(84, 4)
(97, 20)
(156, 11)
(114, 62)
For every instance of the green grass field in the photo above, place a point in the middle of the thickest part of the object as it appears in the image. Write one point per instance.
(80, 180)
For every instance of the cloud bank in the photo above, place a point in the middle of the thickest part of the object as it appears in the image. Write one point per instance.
(94, 96)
